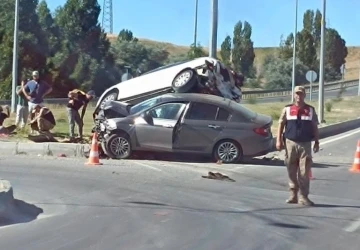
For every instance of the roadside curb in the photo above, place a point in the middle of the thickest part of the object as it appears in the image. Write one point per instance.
(44, 149)
(79, 150)
(6, 197)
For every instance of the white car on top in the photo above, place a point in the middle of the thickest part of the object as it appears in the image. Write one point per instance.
(201, 75)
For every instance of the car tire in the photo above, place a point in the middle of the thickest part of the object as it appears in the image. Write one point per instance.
(112, 96)
(228, 151)
(185, 81)
(115, 141)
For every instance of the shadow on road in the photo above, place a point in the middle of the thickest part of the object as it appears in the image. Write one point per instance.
(19, 212)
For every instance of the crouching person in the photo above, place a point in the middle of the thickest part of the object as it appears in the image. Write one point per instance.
(4, 114)
(42, 121)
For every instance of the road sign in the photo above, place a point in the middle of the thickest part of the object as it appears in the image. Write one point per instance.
(311, 76)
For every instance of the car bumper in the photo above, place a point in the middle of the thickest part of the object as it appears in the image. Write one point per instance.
(262, 148)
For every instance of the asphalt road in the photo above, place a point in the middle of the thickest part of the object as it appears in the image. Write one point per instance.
(145, 204)
(350, 91)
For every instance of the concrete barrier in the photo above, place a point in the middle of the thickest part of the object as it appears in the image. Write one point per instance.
(6, 197)
(44, 149)
(334, 129)
(13, 211)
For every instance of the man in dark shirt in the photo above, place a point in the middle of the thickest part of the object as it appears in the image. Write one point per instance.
(42, 120)
(4, 114)
(35, 91)
(77, 99)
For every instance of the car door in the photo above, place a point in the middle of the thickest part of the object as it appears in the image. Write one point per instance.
(154, 130)
(201, 126)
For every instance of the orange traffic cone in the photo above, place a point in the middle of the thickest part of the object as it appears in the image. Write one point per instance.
(356, 164)
(94, 152)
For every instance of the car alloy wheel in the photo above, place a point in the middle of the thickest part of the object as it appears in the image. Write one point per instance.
(118, 146)
(228, 152)
(108, 98)
(182, 79)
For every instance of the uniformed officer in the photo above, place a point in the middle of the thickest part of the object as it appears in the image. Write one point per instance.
(301, 128)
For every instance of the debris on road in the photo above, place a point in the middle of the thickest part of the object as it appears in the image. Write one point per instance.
(218, 176)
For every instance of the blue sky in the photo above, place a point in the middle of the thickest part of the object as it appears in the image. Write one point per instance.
(167, 20)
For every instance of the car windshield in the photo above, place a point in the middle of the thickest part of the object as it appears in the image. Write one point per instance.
(144, 105)
(247, 113)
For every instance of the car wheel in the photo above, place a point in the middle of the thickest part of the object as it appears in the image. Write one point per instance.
(228, 151)
(112, 96)
(185, 81)
(118, 146)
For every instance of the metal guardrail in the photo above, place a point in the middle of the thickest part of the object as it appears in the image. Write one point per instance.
(287, 92)
(246, 94)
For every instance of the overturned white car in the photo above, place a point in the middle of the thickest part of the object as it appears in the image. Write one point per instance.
(202, 75)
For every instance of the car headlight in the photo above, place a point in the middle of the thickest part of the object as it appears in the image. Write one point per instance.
(111, 124)
(102, 127)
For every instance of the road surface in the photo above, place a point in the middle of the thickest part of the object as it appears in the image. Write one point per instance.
(350, 91)
(144, 204)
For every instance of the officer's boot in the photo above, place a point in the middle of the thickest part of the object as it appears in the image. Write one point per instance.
(293, 199)
(305, 201)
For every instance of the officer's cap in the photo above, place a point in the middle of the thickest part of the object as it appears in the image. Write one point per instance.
(299, 89)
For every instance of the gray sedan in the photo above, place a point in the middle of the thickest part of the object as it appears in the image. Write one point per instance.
(188, 123)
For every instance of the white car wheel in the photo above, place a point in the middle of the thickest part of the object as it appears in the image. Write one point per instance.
(110, 97)
(185, 81)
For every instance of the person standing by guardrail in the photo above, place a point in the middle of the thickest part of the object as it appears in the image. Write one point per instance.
(22, 107)
(77, 99)
(301, 128)
(35, 91)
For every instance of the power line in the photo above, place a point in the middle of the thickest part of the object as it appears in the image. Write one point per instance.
(107, 18)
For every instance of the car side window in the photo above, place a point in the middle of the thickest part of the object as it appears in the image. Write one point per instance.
(202, 111)
(167, 111)
(222, 115)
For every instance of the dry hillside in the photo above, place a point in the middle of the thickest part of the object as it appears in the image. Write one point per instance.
(352, 60)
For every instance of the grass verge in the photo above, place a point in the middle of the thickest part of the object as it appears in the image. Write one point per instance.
(341, 110)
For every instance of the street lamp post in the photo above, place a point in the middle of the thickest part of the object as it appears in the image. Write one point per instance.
(322, 55)
(214, 24)
(15, 57)
(294, 53)
(195, 22)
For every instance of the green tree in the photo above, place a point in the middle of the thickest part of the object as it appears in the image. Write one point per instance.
(84, 49)
(195, 51)
(243, 55)
(286, 47)
(226, 51)
(317, 29)
(126, 35)
(278, 72)
(336, 50)
(32, 45)
(306, 49)
(308, 21)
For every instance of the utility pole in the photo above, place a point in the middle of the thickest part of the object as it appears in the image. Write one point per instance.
(213, 32)
(15, 57)
(107, 18)
(195, 22)
(294, 53)
(322, 55)
(359, 82)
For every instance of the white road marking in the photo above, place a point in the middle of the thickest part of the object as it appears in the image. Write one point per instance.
(147, 166)
(340, 137)
(353, 226)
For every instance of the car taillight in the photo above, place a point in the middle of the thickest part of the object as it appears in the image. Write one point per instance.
(261, 131)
